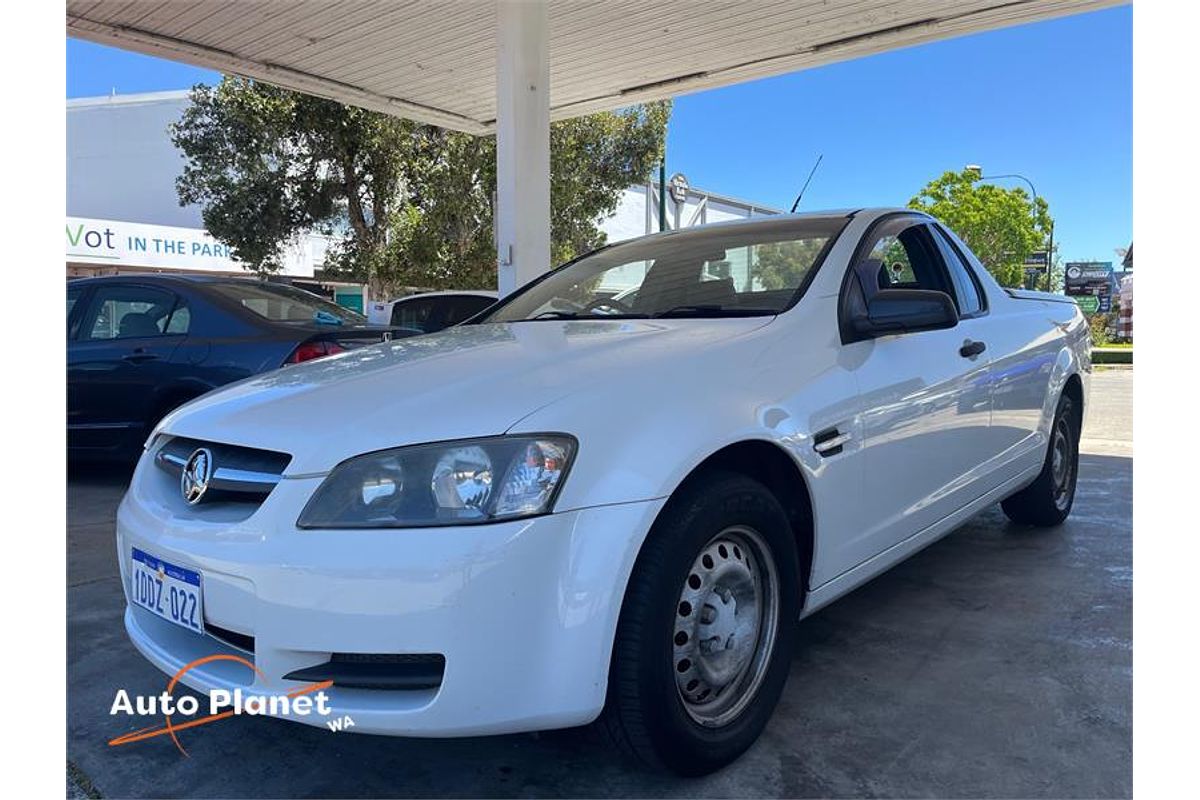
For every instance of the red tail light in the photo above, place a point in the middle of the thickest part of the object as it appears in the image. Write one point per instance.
(307, 351)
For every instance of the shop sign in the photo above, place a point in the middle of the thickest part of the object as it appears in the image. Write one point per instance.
(115, 243)
(679, 187)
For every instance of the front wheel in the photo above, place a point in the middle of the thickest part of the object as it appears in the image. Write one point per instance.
(705, 634)
(1047, 501)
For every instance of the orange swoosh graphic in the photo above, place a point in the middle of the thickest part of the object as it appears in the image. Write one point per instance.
(170, 727)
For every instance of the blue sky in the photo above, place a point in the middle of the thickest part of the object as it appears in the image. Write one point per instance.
(1052, 101)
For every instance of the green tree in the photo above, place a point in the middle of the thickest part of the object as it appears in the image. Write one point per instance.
(1001, 226)
(781, 265)
(406, 203)
(267, 165)
(592, 160)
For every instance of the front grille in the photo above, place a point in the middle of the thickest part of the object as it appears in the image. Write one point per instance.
(238, 473)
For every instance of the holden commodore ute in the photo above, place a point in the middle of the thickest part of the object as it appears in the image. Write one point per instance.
(609, 498)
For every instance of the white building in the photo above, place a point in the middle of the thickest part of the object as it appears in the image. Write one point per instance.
(123, 214)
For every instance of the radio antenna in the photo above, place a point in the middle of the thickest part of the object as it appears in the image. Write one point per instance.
(811, 172)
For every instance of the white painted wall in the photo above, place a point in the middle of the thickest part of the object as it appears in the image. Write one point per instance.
(121, 164)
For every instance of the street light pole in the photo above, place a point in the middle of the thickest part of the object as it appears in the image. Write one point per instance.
(1012, 175)
(1050, 255)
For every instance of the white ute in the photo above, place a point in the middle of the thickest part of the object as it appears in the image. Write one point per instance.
(579, 507)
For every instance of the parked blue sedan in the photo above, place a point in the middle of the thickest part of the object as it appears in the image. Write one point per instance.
(140, 345)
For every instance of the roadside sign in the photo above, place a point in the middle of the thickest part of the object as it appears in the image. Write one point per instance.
(1038, 258)
(1091, 285)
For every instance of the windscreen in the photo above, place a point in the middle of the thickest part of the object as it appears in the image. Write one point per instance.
(722, 271)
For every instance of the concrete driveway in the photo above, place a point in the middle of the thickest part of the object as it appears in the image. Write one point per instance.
(995, 663)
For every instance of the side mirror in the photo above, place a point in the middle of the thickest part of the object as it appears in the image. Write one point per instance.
(906, 311)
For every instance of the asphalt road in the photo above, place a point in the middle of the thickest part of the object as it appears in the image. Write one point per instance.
(995, 663)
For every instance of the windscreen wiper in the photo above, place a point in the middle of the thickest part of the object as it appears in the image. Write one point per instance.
(712, 310)
(556, 315)
(577, 315)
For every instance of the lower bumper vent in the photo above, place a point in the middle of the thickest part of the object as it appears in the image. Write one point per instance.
(241, 641)
(383, 671)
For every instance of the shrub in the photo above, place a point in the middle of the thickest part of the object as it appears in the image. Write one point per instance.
(1102, 325)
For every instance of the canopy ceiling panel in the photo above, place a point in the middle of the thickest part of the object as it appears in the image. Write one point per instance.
(435, 61)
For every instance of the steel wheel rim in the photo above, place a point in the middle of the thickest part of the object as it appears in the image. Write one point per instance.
(1061, 464)
(725, 621)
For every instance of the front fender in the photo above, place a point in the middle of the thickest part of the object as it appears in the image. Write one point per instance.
(641, 446)
(638, 445)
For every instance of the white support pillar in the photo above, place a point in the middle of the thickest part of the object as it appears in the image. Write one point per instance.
(522, 142)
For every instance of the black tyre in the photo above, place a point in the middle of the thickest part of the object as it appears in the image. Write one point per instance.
(1048, 500)
(704, 639)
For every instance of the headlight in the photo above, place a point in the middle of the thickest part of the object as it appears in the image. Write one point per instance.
(450, 483)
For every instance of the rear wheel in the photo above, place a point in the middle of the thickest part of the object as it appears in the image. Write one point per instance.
(1048, 500)
(705, 634)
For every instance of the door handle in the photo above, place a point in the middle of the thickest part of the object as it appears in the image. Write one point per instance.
(139, 356)
(971, 349)
(829, 442)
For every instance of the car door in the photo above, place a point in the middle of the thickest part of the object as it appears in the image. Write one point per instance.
(924, 396)
(1022, 363)
(120, 354)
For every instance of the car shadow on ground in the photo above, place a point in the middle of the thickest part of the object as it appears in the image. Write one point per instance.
(996, 662)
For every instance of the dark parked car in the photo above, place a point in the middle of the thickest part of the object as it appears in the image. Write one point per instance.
(138, 346)
(431, 312)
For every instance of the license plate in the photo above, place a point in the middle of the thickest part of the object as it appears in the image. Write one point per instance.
(167, 590)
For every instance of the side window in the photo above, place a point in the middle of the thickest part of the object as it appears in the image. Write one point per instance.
(413, 314)
(898, 252)
(128, 312)
(966, 285)
(73, 295)
(895, 271)
(902, 256)
(181, 319)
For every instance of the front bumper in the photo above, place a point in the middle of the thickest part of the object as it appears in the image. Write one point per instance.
(524, 612)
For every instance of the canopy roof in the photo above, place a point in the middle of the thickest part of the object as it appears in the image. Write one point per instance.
(435, 61)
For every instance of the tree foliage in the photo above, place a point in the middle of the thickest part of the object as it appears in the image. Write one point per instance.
(405, 203)
(1001, 226)
(783, 265)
